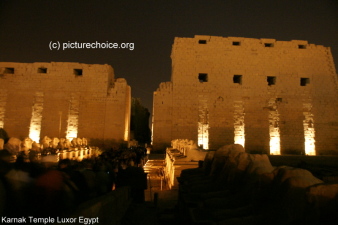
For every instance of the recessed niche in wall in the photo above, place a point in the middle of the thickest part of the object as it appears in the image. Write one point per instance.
(78, 72)
(237, 79)
(271, 80)
(42, 70)
(9, 70)
(203, 77)
(304, 81)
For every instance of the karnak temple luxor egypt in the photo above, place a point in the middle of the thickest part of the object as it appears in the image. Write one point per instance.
(270, 96)
(259, 97)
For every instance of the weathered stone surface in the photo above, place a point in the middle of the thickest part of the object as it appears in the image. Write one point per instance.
(263, 194)
(13, 145)
(322, 202)
(62, 99)
(222, 155)
(265, 94)
(27, 144)
(45, 142)
(292, 192)
(205, 170)
(2, 142)
(284, 173)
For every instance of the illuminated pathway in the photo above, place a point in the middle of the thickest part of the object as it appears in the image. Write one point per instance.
(154, 212)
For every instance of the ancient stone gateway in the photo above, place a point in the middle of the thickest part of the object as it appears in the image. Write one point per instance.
(271, 96)
(64, 100)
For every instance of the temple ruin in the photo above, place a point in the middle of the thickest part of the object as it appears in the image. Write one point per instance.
(61, 99)
(276, 97)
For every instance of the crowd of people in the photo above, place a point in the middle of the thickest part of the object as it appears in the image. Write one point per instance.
(40, 187)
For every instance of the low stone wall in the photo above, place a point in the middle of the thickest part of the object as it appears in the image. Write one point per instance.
(176, 161)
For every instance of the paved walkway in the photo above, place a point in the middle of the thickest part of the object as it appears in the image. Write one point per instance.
(159, 207)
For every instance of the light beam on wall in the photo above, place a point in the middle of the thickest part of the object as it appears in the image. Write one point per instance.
(3, 100)
(274, 130)
(310, 148)
(35, 124)
(203, 135)
(274, 141)
(73, 118)
(239, 123)
(203, 123)
(127, 116)
(309, 131)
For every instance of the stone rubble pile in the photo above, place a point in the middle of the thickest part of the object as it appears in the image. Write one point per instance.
(234, 187)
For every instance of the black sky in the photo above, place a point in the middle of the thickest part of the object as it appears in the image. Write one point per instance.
(27, 27)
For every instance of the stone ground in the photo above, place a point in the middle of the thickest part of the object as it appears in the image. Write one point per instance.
(159, 207)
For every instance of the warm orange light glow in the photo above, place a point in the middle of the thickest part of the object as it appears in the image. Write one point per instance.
(203, 123)
(34, 134)
(310, 142)
(71, 133)
(239, 126)
(203, 135)
(274, 145)
(274, 128)
(309, 135)
(73, 119)
(240, 139)
(2, 119)
(3, 99)
(309, 131)
(126, 135)
(35, 124)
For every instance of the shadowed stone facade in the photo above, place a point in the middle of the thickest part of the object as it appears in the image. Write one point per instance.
(61, 99)
(271, 96)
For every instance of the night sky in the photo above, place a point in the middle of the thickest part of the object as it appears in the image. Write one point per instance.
(27, 28)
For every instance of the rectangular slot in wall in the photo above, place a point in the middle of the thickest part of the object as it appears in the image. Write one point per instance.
(236, 43)
(302, 46)
(78, 72)
(237, 79)
(9, 70)
(42, 70)
(203, 77)
(269, 45)
(304, 81)
(271, 80)
(202, 41)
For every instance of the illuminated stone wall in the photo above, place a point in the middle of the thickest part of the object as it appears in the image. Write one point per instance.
(272, 96)
(64, 100)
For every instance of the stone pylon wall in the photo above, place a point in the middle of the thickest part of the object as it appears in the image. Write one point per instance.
(64, 99)
(261, 87)
(163, 113)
